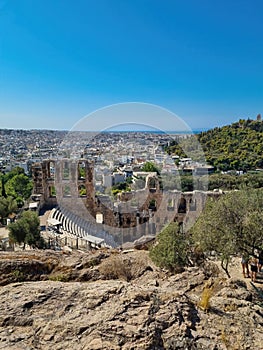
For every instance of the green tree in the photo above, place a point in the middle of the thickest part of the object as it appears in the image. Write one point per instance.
(27, 230)
(15, 171)
(120, 187)
(231, 225)
(19, 186)
(7, 206)
(3, 192)
(150, 167)
(171, 249)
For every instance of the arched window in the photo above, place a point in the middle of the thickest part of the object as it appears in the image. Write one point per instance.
(192, 203)
(152, 182)
(170, 204)
(52, 191)
(99, 218)
(51, 170)
(82, 191)
(65, 171)
(182, 206)
(152, 204)
(66, 191)
(81, 170)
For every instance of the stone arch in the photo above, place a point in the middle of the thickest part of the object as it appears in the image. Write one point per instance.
(152, 183)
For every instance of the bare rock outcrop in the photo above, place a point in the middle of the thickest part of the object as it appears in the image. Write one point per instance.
(152, 310)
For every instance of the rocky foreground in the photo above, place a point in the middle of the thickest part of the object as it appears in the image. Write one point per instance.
(104, 300)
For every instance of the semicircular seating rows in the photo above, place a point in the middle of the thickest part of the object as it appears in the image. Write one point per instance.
(77, 227)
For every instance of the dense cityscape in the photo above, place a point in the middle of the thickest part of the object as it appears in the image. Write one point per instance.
(24, 147)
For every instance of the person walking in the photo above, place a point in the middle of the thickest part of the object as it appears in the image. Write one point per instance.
(244, 263)
(253, 267)
(260, 260)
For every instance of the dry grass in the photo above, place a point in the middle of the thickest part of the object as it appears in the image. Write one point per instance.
(206, 296)
(231, 342)
(124, 267)
(211, 287)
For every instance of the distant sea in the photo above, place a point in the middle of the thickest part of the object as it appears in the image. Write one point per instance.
(169, 132)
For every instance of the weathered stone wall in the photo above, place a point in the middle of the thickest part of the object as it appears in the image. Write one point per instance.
(140, 212)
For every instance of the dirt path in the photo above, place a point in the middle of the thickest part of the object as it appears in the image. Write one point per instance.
(235, 271)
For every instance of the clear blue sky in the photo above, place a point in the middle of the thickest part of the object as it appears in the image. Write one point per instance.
(62, 59)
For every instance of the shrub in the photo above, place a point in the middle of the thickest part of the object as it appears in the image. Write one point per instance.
(171, 250)
(18, 275)
(59, 278)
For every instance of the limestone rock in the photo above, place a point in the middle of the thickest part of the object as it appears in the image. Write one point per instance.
(117, 314)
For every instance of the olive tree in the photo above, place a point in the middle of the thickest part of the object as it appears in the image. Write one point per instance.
(171, 248)
(233, 224)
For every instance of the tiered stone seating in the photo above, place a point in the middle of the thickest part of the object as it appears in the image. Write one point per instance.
(73, 226)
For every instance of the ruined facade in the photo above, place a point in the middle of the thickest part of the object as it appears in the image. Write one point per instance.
(69, 184)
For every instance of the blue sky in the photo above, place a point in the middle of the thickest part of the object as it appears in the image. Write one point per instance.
(61, 60)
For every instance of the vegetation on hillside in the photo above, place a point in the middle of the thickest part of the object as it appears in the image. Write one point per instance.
(225, 182)
(238, 146)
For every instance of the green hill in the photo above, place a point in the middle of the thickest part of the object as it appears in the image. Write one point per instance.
(238, 146)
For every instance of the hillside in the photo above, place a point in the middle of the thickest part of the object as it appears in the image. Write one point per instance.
(122, 301)
(238, 146)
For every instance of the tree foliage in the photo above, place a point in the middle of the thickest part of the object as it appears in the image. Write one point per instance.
(15, 171)
(171, 249)
(19, 186)
(26, 230)
(150, 167)
(7, 206)
(120, 187)
(234, 181)
(16, 184)
(231, 225)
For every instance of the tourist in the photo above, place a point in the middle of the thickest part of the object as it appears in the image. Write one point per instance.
(253, 261)
(260, 260)
(244, 263)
